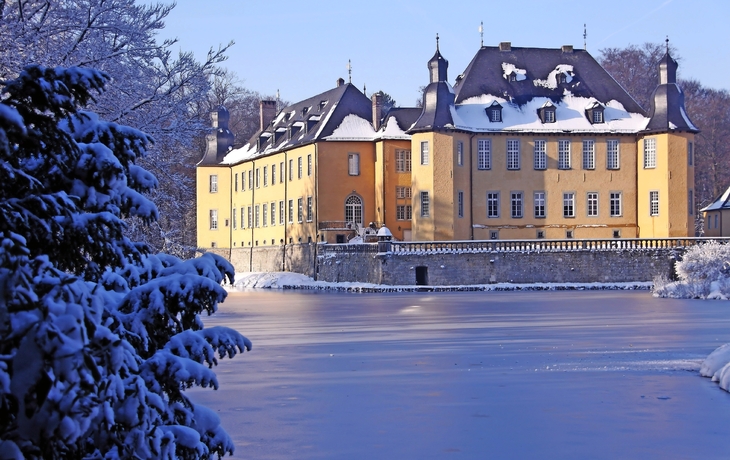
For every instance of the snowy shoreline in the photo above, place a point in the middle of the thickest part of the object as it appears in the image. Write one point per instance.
(288, 280)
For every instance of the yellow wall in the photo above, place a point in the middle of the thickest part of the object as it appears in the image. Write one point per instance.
(219, 201)
(387, 178)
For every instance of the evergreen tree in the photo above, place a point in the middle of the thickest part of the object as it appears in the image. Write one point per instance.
(98, 338)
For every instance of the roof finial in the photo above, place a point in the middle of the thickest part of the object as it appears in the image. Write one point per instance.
(278, 97)
(667, 41)
(364, 89)
(481, 33)
(349, 71)
(585, 37)
(437, 41)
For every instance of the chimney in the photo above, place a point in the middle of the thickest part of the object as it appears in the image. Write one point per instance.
(505, 46)
(377, 99)
(340, 82)
(267, 112)
(567, 48)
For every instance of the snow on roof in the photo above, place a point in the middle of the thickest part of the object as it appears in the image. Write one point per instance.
(353, 127)
(392, 130)
(686, 118)
(511, 69)
(569, 114)
(720, 203)
(551, 81)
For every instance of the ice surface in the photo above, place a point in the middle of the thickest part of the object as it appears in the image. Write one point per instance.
(565, 375)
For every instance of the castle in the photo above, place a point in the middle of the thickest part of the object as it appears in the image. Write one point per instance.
(528, 143)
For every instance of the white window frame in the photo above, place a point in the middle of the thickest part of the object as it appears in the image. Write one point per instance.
(309, 164)
(265, 216)
(266, 176)
(281, 172)
(273, 174)
(484, 154)
(589, 154)
(300, 210)
(213, 219)
(513, 154)
(272, 207)
(291, 211)
(213, 183)
(592, 204)
(354, 209)
(402, 161)
(249, 213)
(540, 155)
(563, 154)
(425, 205)
(424, 152)
(258, 177)
(568, 204)
(353, 164)
(539, 199)
(649, 153)
(493, 207)
(615, 201)
(460, 153)
(310, 209)
(291, 169)
(613, 156)
(299, 167)
(460, 203)
(517, 205)
(256, 213)
(233, 218)
(654, 203)
(282, 214)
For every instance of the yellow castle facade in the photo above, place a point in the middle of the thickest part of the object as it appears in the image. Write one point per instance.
(527, 143)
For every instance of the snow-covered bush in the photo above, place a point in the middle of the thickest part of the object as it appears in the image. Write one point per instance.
(98, 337)
(703, 272)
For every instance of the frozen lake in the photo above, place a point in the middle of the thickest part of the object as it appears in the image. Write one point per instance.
(600, 375)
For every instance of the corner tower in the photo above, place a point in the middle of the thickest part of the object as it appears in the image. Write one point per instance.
(665, 167)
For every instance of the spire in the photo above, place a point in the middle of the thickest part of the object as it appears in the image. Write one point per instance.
(349, 71)
(667, 68)
(438, 66)
(481, 33)
(437, 41)
(585, 37)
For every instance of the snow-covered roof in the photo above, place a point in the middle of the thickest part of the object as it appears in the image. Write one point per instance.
(722, 202)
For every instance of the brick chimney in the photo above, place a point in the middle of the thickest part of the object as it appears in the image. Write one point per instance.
(340, 82)
(567, 48)
(505, 46)
(267, 112)
(377, 99)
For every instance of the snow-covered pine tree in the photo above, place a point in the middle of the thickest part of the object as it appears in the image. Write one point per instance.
(98, 337)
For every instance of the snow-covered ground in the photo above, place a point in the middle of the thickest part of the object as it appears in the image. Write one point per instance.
(592, 374)
(289, 280)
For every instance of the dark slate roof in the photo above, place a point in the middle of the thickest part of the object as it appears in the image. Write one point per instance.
(310, 120)
(438, 98)
(219, 139)
(404, 116)
(485, 75)
(667, 110)
(721, 202)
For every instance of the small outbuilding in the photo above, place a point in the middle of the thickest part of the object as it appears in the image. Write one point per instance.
(717, 216)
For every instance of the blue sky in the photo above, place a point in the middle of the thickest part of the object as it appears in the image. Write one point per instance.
(302, 47)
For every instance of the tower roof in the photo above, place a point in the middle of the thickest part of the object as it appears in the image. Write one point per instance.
(667, 111)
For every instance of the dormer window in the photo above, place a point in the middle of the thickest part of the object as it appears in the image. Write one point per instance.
(594, 113)
(547, 113)
(322, 104)
(278, 134)
(494, 112)
(305, 110)
(562, 78)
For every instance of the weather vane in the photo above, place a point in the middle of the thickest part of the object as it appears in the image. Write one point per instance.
(481, 32)
(585, 37)
(349, 71)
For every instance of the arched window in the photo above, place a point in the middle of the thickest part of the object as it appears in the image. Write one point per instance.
(353, 209)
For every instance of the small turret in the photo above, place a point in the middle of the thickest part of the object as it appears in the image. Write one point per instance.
(220, 139)
(438, 97)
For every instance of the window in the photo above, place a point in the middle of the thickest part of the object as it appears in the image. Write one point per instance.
(539, 201)
(353, 209)
(425, 205)
(291, 211)
(402, 192)
(424, 152)
(243, 184)
(494, 234)
(266, 176)
(243, 213)
(309, 164)
(612, 158)
(214, 219)
(540, 154)
(589, 154)
(690, 153)
(615, 204)
(549, 116)
(266, 214)
(353, 164)
(569, 234)
(540, 234)
(495, 114)
(597, 116)
(716, 216)
(273, 174)
(250, 179)
(273, 214)
(563, 154)
(492, 204)
(249, 213)
(516, 204)
(568, 204)
(299, 168)
(256, 215)
(281, 213)
(233, 217)
(258, 177)
(592, 201)
(213, 183)
(291, 169)
(310, 214)
(281, 172)
(654, 203)
(460, 153)
(484, 154)
(402, 161)
(649, 153)
(235, 183)
(403, 212)
(513, 154)
(617, 233)
(690, 202)
(460, 204)
(300, 210)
